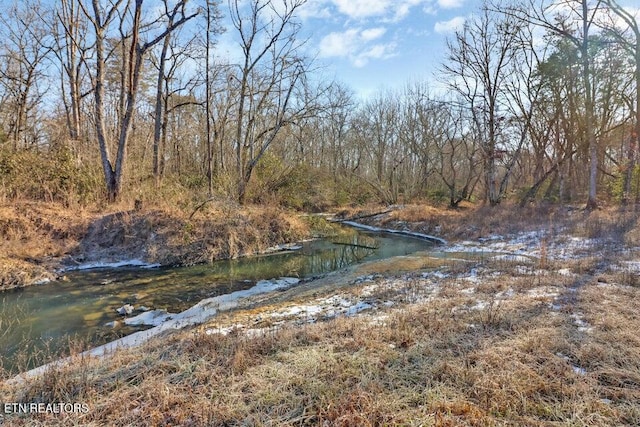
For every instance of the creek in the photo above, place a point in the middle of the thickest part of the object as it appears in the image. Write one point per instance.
(39, 321)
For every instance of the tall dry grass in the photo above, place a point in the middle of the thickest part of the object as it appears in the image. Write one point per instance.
(516, 360)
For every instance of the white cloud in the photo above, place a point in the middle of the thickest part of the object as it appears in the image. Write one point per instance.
(444, 27)
(339, 44)
(395, 10)
(356, 45)
(373, 33)
(315, 9)
(378, 51)
(430, 9)
(362, 8)
(450, 4)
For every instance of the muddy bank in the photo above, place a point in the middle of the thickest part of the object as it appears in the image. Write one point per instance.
(170, 239)
(34, 237)
(39, 240)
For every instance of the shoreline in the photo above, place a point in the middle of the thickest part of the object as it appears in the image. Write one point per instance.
(542, 325)
(199, 313)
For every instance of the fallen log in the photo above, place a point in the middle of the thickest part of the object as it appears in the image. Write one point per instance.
(355, 245)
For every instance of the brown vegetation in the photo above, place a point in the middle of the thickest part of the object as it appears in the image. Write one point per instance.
(492, 342)
(37, 237)
(32, 237)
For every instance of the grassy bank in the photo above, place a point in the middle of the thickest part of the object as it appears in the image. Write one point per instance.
(37, 238)
(542, 334)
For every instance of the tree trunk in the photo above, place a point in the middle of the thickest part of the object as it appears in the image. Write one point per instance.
(159, 110)
(592, 202)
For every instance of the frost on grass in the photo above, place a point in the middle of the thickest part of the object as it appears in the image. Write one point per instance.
(580, 322)
(527, 246)
(544, 292)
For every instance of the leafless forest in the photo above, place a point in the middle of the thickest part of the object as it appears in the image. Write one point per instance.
(105, 100)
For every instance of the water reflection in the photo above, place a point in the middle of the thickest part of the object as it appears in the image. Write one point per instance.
(41, 316)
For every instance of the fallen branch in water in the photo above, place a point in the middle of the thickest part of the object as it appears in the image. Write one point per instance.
(356, 245)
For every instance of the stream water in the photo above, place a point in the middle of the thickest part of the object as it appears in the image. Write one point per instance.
(44, 319)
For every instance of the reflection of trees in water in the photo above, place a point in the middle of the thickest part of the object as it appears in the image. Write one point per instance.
(336, 258)
(357, 240)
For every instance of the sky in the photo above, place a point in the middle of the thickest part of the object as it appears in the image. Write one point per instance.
(373, 45)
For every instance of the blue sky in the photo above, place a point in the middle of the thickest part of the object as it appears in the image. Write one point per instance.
(375, 44)
(371, 45)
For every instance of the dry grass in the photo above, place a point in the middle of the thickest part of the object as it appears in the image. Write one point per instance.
(506, 346)
(32, 236)
(446, 361)
(172, 238)
(36, 230)
(36, 237)
(466, 222)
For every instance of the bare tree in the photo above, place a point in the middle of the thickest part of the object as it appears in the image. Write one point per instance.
(101, 19)
(271, 70)
(456, 159)
(72, 50)
(213, 16)
(23, 50)
(172, 55)
(558, 18)
(632, 46)
(477, 68)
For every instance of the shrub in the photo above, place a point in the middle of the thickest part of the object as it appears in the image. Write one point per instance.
(52, 176)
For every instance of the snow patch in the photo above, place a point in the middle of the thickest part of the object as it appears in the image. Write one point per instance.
(357, 308)
(435, 275)
(526, 246)
(509, 293)
(284, 247)
(195, 315)
(512, 258)
(118, 264)
(627, 266)
(580, 323)
(479, 305)
(472, 276)
(543, 292)
(577, 369)
(150, 318)
(402, 232)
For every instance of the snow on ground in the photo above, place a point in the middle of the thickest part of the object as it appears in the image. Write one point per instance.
(577, 369)
(512, 258)
(527, 246)
(628, 266)
(118, 264)
(509, 293)
(580, 323)
(544, 292)
(283, 248)
(151, 318)
(195, 315)
(372, 292)
(337, 305)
